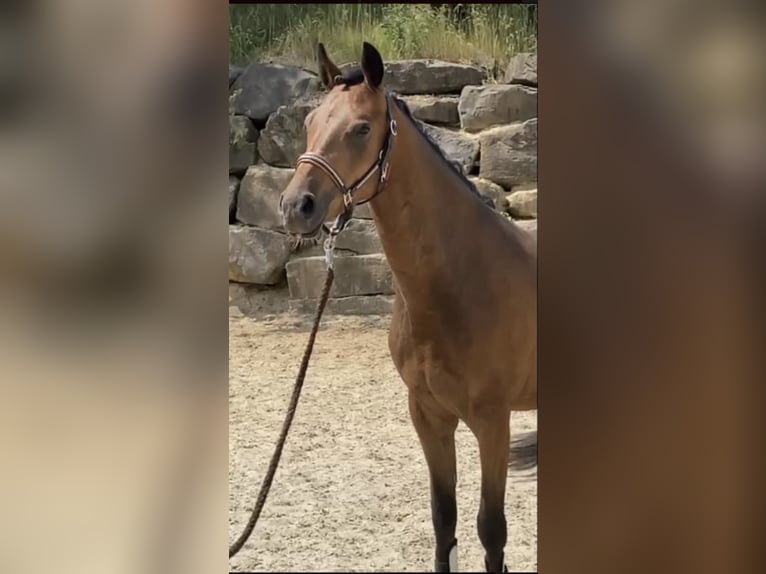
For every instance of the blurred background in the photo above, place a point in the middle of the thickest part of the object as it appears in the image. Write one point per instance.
(113, 334)
(651, 259)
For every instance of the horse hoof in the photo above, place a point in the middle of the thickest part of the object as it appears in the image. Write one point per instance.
(451, 564)
(504, 568)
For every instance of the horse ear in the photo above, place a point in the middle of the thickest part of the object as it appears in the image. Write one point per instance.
(372, 66)
(327, 70)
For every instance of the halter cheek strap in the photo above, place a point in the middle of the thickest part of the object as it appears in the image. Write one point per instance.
(382, 165)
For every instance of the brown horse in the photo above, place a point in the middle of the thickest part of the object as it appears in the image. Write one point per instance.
(464, 329)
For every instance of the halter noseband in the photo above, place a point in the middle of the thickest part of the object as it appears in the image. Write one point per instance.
(381, 164)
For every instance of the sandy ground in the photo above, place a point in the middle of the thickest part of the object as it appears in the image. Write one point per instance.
(351, 492)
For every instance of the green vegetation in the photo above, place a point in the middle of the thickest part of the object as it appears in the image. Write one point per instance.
(486, 34)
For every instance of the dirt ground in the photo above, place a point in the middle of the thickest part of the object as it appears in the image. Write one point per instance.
(351, 492)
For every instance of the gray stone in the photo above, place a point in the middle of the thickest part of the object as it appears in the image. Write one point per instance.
(234, 73)
(361, 305)
(258, 300)
(241, 156)
(284, 137)
(355, 275)
(434, 109)
(233, 189)
(265, 87)
(430, 77)
(359, 238)
(525, 186)
(457, 146)
(492, 191)
(528, 225)
(242, 129)
(482, 107)
(522, 69)
(257, 255)
(363, 211)
(509, 154)
(258, 197)
(522, 204)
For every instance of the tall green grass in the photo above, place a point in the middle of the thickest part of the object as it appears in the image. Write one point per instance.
(487, 34)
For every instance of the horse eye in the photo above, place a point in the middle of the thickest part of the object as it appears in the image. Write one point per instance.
(362, 129)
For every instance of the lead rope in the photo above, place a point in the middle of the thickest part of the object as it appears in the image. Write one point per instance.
(329, 247)
(272, 470)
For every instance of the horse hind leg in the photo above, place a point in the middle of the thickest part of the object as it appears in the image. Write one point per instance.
(493, 435)
(436, 430)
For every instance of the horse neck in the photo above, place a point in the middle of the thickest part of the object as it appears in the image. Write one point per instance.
(420, 213)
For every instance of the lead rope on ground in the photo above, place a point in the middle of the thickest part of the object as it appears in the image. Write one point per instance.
(329, 248)
(272, 470)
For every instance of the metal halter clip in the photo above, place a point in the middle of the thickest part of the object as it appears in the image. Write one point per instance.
(384, 172)
(393, 127)
(329, 250)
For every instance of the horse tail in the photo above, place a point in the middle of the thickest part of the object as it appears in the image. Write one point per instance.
(524, 451)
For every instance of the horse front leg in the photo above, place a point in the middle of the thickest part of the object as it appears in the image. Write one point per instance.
(493, 434)
(436, 430)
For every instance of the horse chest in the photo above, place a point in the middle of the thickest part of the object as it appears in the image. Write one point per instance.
(429, 369)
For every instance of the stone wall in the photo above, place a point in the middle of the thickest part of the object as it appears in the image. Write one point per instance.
(490, 129)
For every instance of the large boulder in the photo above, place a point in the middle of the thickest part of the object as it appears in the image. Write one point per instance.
(354, 275)
(459, 147)
(491, 191)
(234, 73)
(522, 69)
(264, 87)
(522, 204)
(359, 238)
(362, 211)
(509, 154)
(482, 107)
(284, 137)
(357, 305)
(241, 156)
(528, 225)
(430, 77)
(257, 255)
(440, 110)
(258, 197)
(242, 144)
(242, 129)
(258, 300)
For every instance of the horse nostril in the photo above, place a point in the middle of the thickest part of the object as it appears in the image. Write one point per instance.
(307, 205)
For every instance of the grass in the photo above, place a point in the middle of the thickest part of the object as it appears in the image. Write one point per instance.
(485, 34)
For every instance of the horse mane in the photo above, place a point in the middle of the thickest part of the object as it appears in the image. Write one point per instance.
(355, 76)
